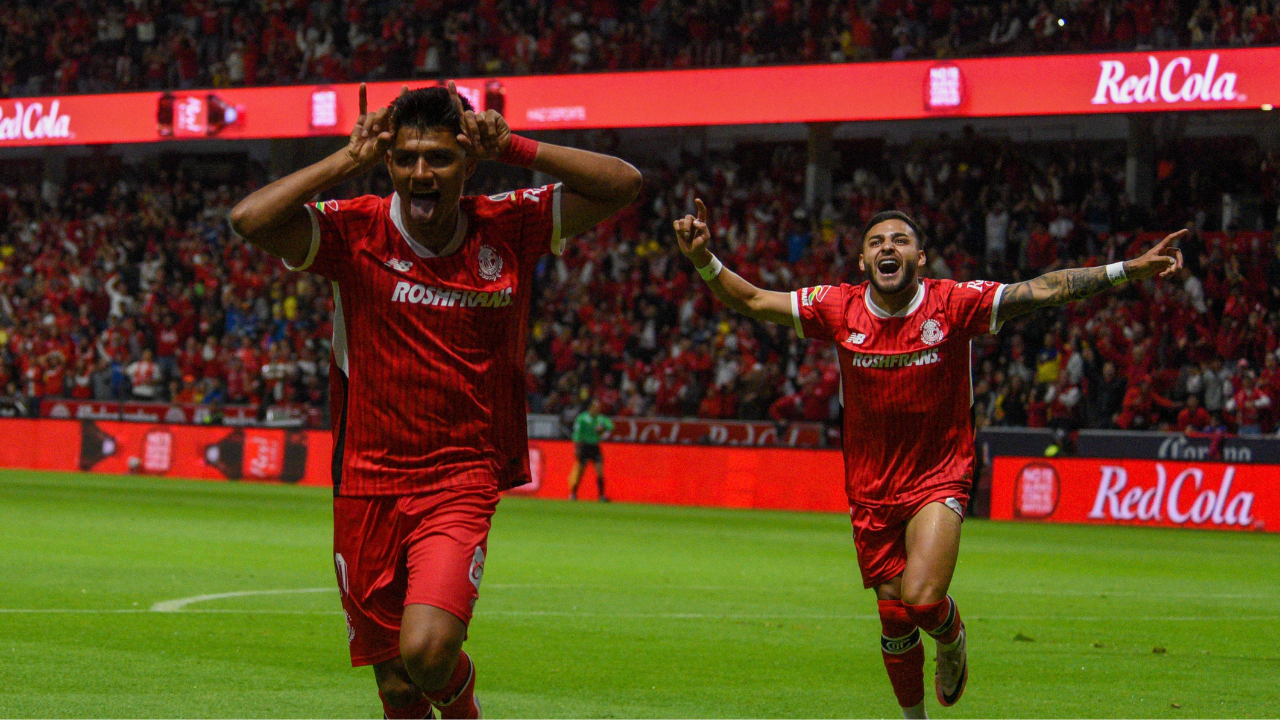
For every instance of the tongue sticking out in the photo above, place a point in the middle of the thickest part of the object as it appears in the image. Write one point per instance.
(421, 208)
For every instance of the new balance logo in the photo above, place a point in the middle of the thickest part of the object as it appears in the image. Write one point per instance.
(856, 339)
(423, 295)
(401, 265)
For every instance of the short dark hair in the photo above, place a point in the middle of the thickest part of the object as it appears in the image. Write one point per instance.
(427, 108)
(894, 215)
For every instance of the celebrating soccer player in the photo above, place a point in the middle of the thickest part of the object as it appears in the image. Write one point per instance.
(431, 295)
(903, 346)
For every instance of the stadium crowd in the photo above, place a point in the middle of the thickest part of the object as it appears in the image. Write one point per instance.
(136, 289)
(69, 46)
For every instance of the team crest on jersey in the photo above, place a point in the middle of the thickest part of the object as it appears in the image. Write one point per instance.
(856, 338)
(490, 263)
(931, 332)
(327, 206)
(815, 294)
(397, 264)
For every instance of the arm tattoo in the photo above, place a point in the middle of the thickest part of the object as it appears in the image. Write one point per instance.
(1055, 288)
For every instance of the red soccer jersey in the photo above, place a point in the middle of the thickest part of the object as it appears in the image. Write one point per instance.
(906, 382)
(427, 378)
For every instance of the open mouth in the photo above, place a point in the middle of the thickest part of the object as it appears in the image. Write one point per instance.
(888, 266)
(422, 203)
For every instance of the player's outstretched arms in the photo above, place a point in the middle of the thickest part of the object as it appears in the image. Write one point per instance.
(274, 219)
(595, 186)
(1064, 286)
(694, 237)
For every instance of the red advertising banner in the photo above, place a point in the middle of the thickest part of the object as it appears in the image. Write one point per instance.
(181, 451)
(1228, 79)
(774, 478)
(1206, 495)
(766, 478)
(190, 413)
(710, 432)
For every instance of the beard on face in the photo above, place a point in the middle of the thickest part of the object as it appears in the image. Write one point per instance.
(906, 277)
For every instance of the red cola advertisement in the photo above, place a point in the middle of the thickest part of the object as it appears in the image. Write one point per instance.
(1224, 79)
(1201, 495)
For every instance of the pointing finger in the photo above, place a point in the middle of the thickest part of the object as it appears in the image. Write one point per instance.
(364, 100)
(702, 210)
(1170, 238)
(404, 89)
(453, 95)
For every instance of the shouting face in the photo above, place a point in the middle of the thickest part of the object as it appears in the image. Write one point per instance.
(891, 256)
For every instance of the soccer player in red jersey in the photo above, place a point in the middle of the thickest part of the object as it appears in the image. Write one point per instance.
(904, 359)
(431, 295)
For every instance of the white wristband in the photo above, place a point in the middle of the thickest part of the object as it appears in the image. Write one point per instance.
(712, 268)
(1116, 273)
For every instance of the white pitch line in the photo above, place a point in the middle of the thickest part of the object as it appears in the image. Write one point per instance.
(180, 603)
(664, 616)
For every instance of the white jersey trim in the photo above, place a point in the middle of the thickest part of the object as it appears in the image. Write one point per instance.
(315, 242)
(795, 313)
(557, 242)
(995, 310)
(459, 234)
(911, 307)
(339, 333)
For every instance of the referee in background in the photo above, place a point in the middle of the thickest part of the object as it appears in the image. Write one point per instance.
(586, 439)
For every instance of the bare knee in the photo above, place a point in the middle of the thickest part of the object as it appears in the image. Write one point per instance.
(394, 684)
(430, 642)
(923, 591)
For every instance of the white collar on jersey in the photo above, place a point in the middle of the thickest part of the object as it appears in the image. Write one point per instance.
(418, 248)
(911, 307)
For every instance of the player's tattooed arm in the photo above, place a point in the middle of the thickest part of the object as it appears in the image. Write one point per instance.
(694, 237)
(1066, 286)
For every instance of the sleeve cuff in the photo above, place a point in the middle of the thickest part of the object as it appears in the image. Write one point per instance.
(557, 242)
(995, 310)
(795, 313)
(315, 242)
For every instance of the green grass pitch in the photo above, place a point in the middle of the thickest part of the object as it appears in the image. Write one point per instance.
(610, 611)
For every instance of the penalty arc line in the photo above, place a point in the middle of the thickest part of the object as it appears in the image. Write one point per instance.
(180, 603)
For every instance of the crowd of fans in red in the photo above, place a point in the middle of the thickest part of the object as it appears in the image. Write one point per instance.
(68, 46)
(135, 289)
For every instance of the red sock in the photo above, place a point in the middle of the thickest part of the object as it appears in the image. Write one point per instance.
(456, 684)
(418, 710)
(940, 619)
(903, 653)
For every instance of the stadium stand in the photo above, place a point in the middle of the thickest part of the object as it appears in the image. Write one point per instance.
(134, 289)
(99, 46)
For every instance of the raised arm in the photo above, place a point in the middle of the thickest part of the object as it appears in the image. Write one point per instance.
(694, 237)
(1065, 286)
(595, 186)
(274, 219)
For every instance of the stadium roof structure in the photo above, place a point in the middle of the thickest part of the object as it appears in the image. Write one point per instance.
(1180, 80)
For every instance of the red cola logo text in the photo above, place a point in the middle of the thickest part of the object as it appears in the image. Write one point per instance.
(29, 122)
(1188, 499)
(1174, 83)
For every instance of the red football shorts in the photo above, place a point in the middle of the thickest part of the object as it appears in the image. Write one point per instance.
(879, 532)
(395, 550)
